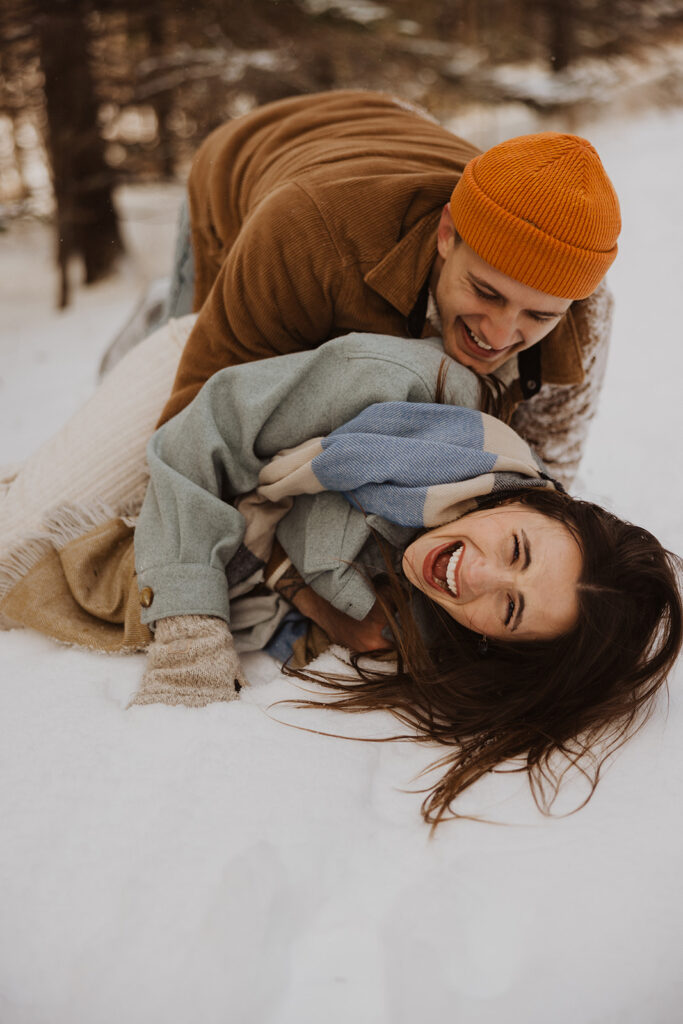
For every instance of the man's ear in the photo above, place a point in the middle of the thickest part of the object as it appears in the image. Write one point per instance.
(445, 236)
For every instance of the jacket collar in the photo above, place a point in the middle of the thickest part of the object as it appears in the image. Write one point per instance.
(561, 361)
(400, 275)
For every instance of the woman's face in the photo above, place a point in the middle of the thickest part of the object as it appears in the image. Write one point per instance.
(508, 572)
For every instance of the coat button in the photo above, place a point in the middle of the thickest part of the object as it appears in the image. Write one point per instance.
(146, 597)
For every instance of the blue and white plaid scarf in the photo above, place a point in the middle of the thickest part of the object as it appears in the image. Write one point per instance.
(415, 464)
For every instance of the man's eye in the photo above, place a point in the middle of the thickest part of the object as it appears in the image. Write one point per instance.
(511, 611)
(515, 549)
(483, 295)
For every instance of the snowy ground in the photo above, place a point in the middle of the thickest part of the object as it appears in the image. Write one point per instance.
(212, 865)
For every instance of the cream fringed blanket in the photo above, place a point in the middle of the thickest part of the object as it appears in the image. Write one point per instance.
(94, 467)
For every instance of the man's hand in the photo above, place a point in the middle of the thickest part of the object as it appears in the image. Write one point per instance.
(359, 636)
(191, 661)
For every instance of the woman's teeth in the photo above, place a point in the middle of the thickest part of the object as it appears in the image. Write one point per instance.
(450, 571)
(479, 342)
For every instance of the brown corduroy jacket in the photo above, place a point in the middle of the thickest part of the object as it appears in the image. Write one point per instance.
(316, 216)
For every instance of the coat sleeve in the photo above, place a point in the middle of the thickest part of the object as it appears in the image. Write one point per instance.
(555, 422)
(213, 451)
(274, 294)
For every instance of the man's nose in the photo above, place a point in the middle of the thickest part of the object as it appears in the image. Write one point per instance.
(500, 328)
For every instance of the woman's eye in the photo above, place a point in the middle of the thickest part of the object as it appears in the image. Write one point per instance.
(515, 548)
(511, 611)
(481, 294)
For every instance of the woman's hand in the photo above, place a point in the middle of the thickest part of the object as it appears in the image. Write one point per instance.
(192, 660)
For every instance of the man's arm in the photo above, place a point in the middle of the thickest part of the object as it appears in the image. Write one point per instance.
(274, 294)
(357, 635)
(555, 422)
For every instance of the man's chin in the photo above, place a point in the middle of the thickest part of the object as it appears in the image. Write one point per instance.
(468, 359)
(482, 366)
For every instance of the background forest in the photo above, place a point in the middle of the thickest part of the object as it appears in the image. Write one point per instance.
(96, 93)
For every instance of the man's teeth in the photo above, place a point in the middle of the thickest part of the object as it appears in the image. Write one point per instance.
(450, 571)
(478, 341)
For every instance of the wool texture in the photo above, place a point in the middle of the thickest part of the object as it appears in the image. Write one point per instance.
(541, 209)
(192, 661)
(94, 466)
(413, 463)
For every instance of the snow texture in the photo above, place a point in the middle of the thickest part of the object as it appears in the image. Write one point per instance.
(174, 864)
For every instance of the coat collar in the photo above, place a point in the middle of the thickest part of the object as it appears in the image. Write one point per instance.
(399, 276)
(561, 361)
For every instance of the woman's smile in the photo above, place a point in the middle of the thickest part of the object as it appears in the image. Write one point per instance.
(441, 567)
(508, 572)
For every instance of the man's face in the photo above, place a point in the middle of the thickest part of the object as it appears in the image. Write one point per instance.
(486, 316)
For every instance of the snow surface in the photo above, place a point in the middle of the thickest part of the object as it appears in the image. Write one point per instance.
(216, 865)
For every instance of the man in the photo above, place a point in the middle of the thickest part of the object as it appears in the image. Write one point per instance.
(350, 211)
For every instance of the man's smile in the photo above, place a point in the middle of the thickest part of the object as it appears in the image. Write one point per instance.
(477, 346)
(478, 341)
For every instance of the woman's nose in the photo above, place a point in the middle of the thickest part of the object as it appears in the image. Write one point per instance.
(486, 576)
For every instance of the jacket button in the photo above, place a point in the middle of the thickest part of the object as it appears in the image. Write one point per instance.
(146, 597)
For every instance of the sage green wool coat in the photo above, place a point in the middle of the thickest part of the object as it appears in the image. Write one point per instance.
(189, 531)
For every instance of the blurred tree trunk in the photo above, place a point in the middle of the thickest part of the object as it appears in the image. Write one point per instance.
(13, 30)
(562, 19)
(153, 21)
(87, 223)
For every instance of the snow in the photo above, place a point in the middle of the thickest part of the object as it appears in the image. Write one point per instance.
(173, 864)
(589, 78)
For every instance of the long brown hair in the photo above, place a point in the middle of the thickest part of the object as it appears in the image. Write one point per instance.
(570, 701)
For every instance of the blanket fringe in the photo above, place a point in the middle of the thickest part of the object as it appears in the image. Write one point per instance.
(57, 529)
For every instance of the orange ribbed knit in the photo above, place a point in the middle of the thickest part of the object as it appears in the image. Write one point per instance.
(541, 209)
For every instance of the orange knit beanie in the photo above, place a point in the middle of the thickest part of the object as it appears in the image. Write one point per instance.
(540, 209)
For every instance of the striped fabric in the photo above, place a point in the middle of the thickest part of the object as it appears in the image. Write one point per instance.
(414, 464)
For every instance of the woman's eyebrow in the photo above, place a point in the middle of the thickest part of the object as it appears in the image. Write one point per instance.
(520, 598)
(518, 613)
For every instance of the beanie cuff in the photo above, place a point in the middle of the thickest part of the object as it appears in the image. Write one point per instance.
(521, 250)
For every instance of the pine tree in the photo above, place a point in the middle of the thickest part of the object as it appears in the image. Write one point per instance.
(86, 219)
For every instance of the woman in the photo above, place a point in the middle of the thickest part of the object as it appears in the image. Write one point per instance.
(548, 622)
(550, 702)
